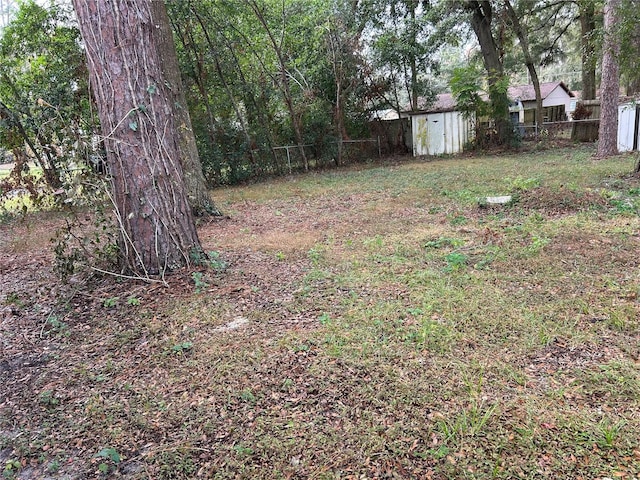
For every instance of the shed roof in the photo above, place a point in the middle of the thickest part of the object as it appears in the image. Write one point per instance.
(444, 102)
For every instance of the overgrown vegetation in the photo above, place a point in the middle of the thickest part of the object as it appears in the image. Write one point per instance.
(371, 322)
(45, 113)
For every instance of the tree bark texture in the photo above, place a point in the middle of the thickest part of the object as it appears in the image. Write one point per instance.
(136, 107)
(609, 84)
(197, 191)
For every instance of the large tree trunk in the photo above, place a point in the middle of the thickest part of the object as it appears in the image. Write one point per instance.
(136, 107)
(609, 85)
(588, 27)
(197, 191)
(482, 13)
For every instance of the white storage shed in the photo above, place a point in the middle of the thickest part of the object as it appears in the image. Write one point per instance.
(628, 123)
(440, 129)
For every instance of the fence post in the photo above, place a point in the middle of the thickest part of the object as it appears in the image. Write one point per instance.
(379, 150)
(288, 160)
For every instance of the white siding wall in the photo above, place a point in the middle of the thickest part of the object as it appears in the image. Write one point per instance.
(626, 127)
(558, 96)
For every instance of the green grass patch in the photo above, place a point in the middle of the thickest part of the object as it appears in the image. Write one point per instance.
(413, 333)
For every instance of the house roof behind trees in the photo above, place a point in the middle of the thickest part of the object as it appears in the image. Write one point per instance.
(446, 102)
(526, 93)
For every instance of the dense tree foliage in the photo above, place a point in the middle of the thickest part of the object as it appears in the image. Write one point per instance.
(287, 83)
(281, 74)
(403, 44)
(45, 112)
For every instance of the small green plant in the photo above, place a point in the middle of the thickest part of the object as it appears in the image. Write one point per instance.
(110, 302)
(375, 243)
(458, 220)
(536, 245)
(248, 396)
(48, 399)
(325, 319)
(211, 260)
(176, 464)
(216, 262)
(87, 243)
(133, 301)
(13, 299)
(11, 468)
(54, 466)
(111, 459)
(608, 433)
(524, 184)
(441, 452)
(56, 326)
(315, 255)
(242, 451)
(468, 423)
(455, 261)
(200, 284)
(430, 335)
(624, 206)
(280, 256)
(181, 348)
(443, 242)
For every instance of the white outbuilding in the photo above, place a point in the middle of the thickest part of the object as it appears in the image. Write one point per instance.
(628, 126)
(440, 129)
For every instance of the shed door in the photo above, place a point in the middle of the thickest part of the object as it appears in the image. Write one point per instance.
(436, 133)
(420, 137)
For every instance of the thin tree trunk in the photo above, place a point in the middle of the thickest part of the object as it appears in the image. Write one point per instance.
(526, 51)
(185, 34)
(259, 107)
(609, 85)
(136, 107)
(414, 67)
(284, 83)
(49, 170)
(338, 115)
(225, 84)
(587, 38)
